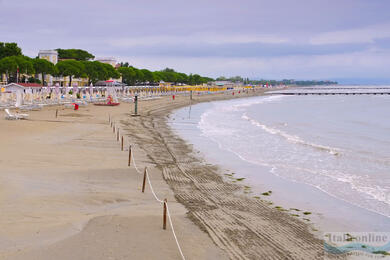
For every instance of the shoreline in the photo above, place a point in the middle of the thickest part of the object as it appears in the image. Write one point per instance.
(328, 212)
(87, 181)
(236, 223)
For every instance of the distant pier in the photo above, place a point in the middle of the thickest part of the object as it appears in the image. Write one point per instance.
(329, 93)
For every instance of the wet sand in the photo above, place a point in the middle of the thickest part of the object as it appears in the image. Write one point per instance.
(66, 192)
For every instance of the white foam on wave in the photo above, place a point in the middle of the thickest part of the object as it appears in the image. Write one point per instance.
(209, 127)
(213, 125)
(291, 138)
(240, 104)
(358, 183)
(361, 184)
(340, 180)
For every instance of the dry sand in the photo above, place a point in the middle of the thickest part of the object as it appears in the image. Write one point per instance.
(66, 192)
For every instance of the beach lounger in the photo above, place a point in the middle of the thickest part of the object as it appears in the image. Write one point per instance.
(16, 116)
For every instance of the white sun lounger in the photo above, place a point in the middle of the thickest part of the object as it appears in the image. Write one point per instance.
(16, 116)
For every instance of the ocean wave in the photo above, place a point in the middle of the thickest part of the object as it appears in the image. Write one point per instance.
(361, 191)
(366, 190)
(362, 185)
(210, 129)
(261, 101)
(291, 138)
(238, 105)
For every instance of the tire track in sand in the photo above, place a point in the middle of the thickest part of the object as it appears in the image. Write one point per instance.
(244, 227)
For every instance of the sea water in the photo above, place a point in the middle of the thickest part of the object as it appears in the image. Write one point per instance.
(329, 154)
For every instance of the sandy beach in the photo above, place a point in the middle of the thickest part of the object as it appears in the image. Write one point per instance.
(67, 192)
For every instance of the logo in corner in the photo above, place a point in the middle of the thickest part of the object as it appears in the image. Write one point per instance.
(362, 244)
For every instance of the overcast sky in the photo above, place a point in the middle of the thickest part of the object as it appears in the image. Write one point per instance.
(301, 39)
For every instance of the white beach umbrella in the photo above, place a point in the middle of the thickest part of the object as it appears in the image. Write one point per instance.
(19, 98)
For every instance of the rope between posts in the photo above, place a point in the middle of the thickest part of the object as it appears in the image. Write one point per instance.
(173, 231)
(151, 188)
(161, 201)
(135, 165)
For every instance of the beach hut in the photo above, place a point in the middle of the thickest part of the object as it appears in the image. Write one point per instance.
(15, 87)
(19, 90)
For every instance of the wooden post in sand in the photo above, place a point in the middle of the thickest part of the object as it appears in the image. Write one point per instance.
(144, 182)
(135, 105)
(113, 130)
(56, 113)
(117, 135)
(165, 215)
(129, 155)
(122, 144)
(109, 118)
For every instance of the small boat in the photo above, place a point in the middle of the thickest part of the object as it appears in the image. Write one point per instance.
(109, 103)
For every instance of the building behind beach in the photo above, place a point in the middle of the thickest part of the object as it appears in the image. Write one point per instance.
(107, 60)
(49, 55)
(226, 83)
(52, 56)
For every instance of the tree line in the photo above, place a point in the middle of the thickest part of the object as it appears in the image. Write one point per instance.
(76, 63)
(286, 82)
(133, 76)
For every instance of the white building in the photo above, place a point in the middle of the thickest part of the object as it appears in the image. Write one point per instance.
(108, 60)
(52, 56)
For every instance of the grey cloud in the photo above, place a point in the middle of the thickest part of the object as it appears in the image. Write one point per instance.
(88, 24)
(240, 50)
(383, 43)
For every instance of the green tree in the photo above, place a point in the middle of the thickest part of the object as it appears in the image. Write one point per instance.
(182, 78)
(207, 79)
(75, 54)
(132, 76)
(124, 64)
(95, 71)
(236, 79)
(43, 67)
(148, 76)
(128, 75)
(170, 76)
(221, 78)
(12, 64)
(159, 76)
(7, 66)
(191, 79)
(197, 79)
(25, 64)
(156, 77)
(111, 71)
(123, 71)
(139, 76)
(168, 70)
(71, 68)
(8, 49)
